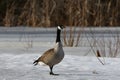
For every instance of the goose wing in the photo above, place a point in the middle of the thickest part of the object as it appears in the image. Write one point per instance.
(47, 56)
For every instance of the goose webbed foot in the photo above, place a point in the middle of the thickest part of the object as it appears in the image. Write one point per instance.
(51, 73)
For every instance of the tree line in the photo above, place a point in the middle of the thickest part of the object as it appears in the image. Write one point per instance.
(47, 13)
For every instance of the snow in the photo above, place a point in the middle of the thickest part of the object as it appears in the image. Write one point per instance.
(20, 67)
(17, 56)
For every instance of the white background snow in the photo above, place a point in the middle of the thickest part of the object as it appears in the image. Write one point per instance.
(17, 55)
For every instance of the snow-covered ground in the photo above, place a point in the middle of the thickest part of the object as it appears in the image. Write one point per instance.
(19, 47)
(20, 67)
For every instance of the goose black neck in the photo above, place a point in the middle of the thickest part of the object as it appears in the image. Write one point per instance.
(58, 36)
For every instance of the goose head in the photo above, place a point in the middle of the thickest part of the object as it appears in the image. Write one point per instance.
(60, 27)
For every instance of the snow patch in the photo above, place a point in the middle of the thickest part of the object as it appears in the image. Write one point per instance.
(20, 67)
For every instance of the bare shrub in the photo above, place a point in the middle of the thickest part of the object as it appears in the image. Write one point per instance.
(107, 47)
(93, 46)
(72, 36)
(69, 41)
(26, 38)
(72, 12)
(113, 46)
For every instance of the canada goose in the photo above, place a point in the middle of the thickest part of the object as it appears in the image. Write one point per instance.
(54, 55)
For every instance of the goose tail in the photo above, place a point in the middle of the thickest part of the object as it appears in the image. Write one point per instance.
(35, 62)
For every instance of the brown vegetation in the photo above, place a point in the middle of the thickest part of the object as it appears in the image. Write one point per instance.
(53, 12)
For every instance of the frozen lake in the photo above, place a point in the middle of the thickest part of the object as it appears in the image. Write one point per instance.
(40, 39)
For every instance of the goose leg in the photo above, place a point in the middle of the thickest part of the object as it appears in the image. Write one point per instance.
(51, 72)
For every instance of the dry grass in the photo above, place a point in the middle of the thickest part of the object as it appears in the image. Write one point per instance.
(67, 12)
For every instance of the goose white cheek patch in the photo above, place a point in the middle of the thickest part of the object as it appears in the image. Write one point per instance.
(59, 27)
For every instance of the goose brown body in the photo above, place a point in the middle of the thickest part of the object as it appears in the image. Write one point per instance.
(54, 55)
